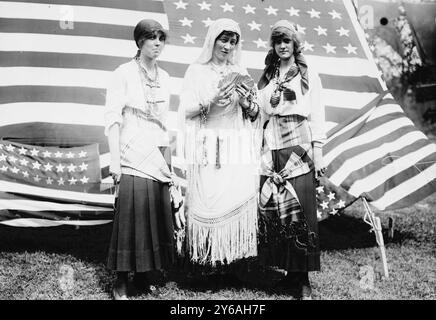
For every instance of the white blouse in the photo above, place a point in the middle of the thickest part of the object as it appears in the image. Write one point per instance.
(125, 90)
(309, 106)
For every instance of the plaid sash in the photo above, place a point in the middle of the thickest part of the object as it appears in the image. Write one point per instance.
(277, 195)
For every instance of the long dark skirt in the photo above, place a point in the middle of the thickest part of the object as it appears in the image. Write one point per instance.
(143, 233)
(283, 253)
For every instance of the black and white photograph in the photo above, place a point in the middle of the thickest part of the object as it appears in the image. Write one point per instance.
(218, 156)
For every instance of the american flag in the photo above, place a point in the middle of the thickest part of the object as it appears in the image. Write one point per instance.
(56, 56)
(47, 182)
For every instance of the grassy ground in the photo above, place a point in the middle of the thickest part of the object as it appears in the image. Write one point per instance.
(33, 263)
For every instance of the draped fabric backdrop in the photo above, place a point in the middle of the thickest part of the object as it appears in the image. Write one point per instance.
(56, 56)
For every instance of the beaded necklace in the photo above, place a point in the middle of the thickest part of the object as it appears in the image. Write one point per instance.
(149, 87)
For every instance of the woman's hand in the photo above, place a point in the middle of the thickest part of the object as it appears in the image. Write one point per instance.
(243, 91)
(318, 161)
(223, 96)
(115, 170)
(180, 219)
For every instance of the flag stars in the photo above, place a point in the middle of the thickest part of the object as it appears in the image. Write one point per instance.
(320, 189)
(343, 32)
(181, 5)
(331, 196)
(22, 151)
(2, 157)
(36, 178)
(58, 154)
(15, 170)
(293, 12)
(318, 214)
(254, 26)
(4, 168)
(61, 181)
(34, 152)
(249, 9)
(49, 180)
(207, 22)
(46, 154)
(350, 49)
(36, 165)
(333, 211)
(10, 148)
(271, 11)
(84, 180)
(301, 29)
(321, 30)
(60, 168)
(72, 181)
(48, 167)
(25, 174)
(188, 39)
(83, 166)
(335, 15)
(325, 205)
(308, 47)
(70, 155)
(82, 154)
(204, 6)
(227, 7)
(12, 159)
(186, 22)
(314, 14)
(71, 168)
(24, 162)
(260, 43)
(341, 204)
(329, 48)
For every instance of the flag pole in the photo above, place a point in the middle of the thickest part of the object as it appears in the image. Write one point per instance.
(375, 223)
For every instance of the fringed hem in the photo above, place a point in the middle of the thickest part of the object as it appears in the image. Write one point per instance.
(226, 241)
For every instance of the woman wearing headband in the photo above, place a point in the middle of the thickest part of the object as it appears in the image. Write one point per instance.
(137, 103)
(293, 122)
(221, 113)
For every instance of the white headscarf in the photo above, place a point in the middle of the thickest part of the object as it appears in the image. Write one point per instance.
(214, 31)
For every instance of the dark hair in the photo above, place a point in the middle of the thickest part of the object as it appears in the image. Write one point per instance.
(229, 34)
(148, 29)
(278, 36)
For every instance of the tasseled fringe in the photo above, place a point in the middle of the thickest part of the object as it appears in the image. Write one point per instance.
(224, 241)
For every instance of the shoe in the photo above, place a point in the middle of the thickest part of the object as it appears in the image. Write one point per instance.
(119, 296)
(306, 292)
(287, 286)
(142, 285)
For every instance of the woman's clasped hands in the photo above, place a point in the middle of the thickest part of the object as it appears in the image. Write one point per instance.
(224, 95)
(244, 92)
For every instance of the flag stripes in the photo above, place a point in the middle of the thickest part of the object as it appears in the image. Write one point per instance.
(137, 5)
(70, 11)
(97, 199)
(34, 222)
(380, 155)
(369, 158)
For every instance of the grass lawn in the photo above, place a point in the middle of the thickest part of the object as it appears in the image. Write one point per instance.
(33, 260)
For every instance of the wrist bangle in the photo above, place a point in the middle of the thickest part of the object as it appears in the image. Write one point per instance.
(204, 110)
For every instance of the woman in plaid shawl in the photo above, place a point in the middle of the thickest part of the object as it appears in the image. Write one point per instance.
(293, 122)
